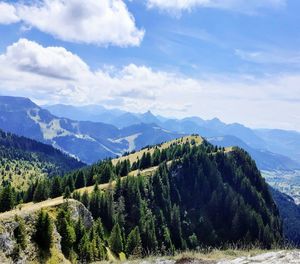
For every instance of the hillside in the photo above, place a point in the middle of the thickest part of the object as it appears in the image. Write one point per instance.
(290, 215)
(89, 141)
(193, 195)
(23, 161)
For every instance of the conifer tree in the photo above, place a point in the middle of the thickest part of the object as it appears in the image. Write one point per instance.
(56, 190)
(133, 245)
(80, 180)
(20, 233)
(115, 240)
(67, 193)
(7, 198)
(44, 229)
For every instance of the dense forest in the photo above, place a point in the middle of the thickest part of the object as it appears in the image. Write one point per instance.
(198, 196)
(23, 160)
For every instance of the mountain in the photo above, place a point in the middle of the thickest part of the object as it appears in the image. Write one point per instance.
(89, 141)
(179, 195)
(290, 215)
(272, 149)
(265, 160)
(281, 141)
(23, 160)
(94, 113)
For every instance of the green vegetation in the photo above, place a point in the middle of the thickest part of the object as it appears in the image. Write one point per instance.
(198, 196)
(20, 233)
(44, 229)
(23, 161)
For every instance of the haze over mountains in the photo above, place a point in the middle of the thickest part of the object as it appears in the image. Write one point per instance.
(89, 141)
(94, 132)
(271, 148)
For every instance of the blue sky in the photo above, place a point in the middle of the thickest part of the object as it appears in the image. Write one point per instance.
(233, 59)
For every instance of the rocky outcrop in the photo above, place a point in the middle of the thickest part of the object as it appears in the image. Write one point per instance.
(11, 253)
(79, 210)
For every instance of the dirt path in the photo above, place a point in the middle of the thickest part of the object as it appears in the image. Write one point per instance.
(29, 208)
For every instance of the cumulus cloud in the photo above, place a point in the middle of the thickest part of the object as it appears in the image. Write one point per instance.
(270, 101)
(56, 62)
(100, 22)
(55, 74)
(236, 5)
(8, 14)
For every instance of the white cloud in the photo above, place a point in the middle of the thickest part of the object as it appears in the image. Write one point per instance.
(55, 75)
(56, 62)
(100, 22)
(8, 14)
(236, 5)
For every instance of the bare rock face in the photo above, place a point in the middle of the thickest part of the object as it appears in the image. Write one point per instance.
(79, 210)
(11, 253)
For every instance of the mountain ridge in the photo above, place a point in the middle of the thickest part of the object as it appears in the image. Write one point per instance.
(284, 156)
(86, 140)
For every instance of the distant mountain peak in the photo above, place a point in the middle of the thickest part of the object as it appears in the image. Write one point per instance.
(16, 103)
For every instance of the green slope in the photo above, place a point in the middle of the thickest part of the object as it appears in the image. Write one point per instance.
(23, 160)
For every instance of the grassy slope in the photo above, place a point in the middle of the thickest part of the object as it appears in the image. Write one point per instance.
(138, 155)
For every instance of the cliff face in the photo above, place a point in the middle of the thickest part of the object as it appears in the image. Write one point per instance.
(10, 251)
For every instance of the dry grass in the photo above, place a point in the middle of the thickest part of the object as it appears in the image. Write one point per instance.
(30, 208)
(138, 155)
(212, 256)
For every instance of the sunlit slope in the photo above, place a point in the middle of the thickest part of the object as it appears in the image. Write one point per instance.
(194, 139)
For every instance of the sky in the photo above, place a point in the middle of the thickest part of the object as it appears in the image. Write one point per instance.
(237, 60)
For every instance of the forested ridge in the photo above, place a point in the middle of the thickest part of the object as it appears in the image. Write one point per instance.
(23, 161)
(198, 196)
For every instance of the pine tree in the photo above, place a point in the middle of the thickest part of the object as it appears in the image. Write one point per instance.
(70, 183)
(80, 180)
(67, 193)
(115, 240)
(85, 251)
(41, 192)
(20, 233)
(56, 190)
(44, 229)
(65, 227)
(133, 245)
(7, 198)
(68, 237)
(85, 199)
(106, 174)
(167, 242)
(176, 230)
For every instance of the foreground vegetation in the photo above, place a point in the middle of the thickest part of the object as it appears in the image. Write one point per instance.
(198, 196)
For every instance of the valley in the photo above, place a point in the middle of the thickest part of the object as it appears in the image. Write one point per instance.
(285, 181)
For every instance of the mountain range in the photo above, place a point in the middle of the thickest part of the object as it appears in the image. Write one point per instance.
(94, 132)
(273, 149)
(86, 140)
